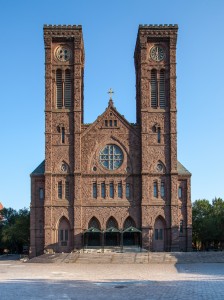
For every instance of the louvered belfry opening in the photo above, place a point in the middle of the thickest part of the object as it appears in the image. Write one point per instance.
(68, 90)
(153, 88)
(162, 94)
(59, 87)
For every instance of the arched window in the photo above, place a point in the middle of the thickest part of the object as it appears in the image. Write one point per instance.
(94, 190)
(67, 190)
(129, 222)
(68, 89)
(103, 190)
(162, 98)
(63, 135)
(119, 190)
(112, 223)
(162, 189)
(60, 189)
(94, 223)
(111, 190)
(159, 135)
(127, 190)
(154, 101)
(155, 189)
(59, 89)
(180, 192)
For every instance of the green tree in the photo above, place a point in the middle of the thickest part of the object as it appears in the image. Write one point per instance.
(14, 232)
(208, 223)
(201, 212)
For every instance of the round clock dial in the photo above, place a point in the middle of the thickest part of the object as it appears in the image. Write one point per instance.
(157, 53)
(63, 53)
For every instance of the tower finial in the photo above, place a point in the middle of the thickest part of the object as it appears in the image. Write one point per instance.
(111, 92)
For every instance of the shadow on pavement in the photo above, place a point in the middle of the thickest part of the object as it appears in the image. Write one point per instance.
(128, 289)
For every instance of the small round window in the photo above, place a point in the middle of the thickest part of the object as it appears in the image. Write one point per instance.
(111, 157)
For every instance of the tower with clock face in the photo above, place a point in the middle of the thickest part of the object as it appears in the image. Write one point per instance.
(110, 183)
(155, 63)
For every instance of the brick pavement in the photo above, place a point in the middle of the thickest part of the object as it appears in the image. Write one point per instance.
(111, 281)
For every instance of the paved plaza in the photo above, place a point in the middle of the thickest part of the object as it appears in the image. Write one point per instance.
(19, 280)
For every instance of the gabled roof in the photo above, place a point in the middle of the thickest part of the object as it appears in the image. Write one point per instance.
(182, 170)
(92, 230)
(110, 107)
(131, 229)
(112, 229)
(39, 170)
(1, 206)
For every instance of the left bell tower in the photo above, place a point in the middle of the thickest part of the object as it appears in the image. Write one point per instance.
(64, 71)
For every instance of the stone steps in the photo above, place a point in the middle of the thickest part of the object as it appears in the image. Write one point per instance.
(131, 258)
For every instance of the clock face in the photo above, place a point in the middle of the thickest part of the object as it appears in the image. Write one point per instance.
(63, 53)
(157, 53)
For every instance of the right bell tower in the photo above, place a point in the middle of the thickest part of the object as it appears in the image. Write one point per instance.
(155, 64)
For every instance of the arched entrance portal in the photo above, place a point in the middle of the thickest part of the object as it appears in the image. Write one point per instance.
(130, 234)
(112, 234)
(93, 235)
(64, 235)
(159, 235)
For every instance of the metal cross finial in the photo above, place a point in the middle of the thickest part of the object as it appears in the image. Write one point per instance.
(111, 92)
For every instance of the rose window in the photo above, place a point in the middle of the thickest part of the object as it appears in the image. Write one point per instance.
(111, 157)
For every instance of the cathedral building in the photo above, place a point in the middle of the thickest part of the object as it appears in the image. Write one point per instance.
(111, 182)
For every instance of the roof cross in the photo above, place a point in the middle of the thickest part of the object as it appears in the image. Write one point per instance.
(111, 92)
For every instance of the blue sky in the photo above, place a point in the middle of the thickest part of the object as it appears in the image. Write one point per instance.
(110, 30)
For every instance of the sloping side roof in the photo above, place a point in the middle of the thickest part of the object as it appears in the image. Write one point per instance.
(1, 206)
(39, 170)
(182, 170)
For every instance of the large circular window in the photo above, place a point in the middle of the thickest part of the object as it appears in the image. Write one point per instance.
(111, 157)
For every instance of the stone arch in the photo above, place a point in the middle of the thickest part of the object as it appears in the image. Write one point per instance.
(159, 234)
(111, 222)
(93, 238)
(64, 235)
(129, 222)
(95, 223)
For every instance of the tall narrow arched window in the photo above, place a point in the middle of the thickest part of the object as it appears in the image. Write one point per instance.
(158, 135)
(68, 89)
(155, 189)
(103, 190)
(154, 89)
(94, 190)
(111, 190)
(162, 189)
(162, 94)
(127, 190)
(59, 89)
(119, 190)
(60, 189)
(63, 135)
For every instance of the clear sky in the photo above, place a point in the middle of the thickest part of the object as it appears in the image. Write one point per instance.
(110, 30)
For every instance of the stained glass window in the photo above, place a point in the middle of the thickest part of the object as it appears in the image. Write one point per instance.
(103, 193)
(111, 157)
(119, 190)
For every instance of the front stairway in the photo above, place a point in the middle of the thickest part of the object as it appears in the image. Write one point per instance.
(93, 256)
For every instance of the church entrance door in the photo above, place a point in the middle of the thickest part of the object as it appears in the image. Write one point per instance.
(159, 235)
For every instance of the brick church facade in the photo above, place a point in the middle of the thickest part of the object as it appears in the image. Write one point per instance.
(110, 182)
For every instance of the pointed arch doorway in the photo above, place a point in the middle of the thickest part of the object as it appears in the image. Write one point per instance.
(64, 235)
(159, 235)
(112, 233)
